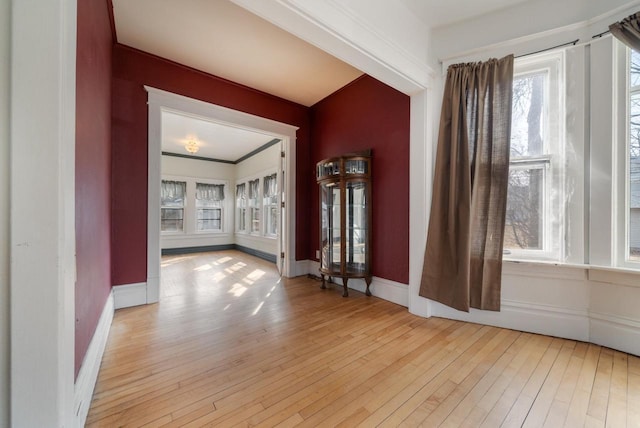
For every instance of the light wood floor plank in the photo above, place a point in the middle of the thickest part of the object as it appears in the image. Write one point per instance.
(617, 406)
(232, 344)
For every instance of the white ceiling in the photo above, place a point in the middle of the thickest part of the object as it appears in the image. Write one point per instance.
(214, 140)
(225, 40)
(438, 13)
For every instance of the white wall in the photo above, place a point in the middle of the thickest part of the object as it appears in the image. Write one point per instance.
(258, 166)
(587, 297)
(42, 156)
(5, 36)
(526, 27)
(196, 168)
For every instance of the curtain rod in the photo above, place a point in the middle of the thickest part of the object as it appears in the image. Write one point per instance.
(573, 43)
(601, 34)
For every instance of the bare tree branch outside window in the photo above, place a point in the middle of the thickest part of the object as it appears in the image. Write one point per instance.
(525, 198)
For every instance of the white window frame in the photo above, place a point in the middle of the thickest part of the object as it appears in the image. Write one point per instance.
(190, 209)
(184, 209)
(267, 205)
(621, 169)
(254, 203)
(552, 161)
(238, 215)
(222, 207)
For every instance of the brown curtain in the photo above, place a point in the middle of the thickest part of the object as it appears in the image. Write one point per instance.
(463, 260)
(628, 31)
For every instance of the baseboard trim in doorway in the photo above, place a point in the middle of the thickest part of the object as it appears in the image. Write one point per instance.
(198, 249)
(125, 296)
(201, 249)
(88, 375)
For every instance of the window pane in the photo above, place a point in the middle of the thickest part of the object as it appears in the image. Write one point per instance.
(255, 220)
(527, 121)
(524, 220)
(242, 219)
(635, 69)
(634, 159)
(209, 219)
(271, 222)
(171, 219)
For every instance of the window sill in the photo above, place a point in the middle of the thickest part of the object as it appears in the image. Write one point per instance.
(607, 274)
(196, 235)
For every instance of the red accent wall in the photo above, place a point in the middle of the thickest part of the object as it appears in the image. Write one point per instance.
(367, 114)
(93, 170)
(131, 70)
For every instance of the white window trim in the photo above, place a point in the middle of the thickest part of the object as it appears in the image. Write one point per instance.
(182, 232)
(236, 208)
(224, 208)
(266, 206)
(190, 210)
(555, 176)
(622, 98)
(258, 206)
(261, 230)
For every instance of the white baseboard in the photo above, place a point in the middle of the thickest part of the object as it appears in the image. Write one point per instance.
(125, 296)
(523, 316)
(301, 267)
(88, 375)
(386, 289)
(615, 332)
(314, 267)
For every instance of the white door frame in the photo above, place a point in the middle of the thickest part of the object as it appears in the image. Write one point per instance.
(158, 100)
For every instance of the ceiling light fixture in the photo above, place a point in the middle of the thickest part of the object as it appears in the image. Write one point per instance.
(192, 147)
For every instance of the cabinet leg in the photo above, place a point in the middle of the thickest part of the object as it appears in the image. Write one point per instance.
(368, 281)
(323, 286)
(346, 292)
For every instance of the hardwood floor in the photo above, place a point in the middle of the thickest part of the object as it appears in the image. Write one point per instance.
(231, 344)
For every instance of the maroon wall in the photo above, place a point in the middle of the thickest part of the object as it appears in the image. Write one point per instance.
(368, 114)
(131, 70)
(93, 170)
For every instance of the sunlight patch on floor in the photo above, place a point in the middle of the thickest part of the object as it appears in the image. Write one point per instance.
(237, 289)
(255, 275)
(236, 267)
(219, 276)
(258, 308)
(223, 260)
(174, 260)
(203, 268)
(271, 291)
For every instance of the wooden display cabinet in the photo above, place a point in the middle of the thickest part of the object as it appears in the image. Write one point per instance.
(345, 218)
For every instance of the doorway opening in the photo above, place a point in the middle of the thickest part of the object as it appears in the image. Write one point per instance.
(162, 103)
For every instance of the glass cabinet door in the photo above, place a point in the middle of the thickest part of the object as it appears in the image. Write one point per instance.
(330, 228)
(356, 227)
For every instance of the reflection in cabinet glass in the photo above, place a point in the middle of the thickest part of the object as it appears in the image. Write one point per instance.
(345, 218)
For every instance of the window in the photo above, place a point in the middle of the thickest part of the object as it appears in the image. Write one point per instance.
(209, 204)
(632, 155)
(191, 206)
(241, 207)
(534, 217)
(270, 204)
(172, 197)
(254, 205)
